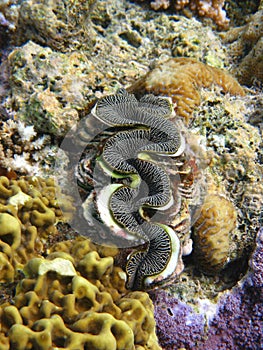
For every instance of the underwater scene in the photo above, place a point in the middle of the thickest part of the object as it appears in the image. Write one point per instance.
(131, 174)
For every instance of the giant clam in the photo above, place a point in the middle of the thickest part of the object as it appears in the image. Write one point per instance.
(125, 174)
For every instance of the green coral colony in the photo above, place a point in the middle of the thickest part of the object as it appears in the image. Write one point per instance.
(131, 154)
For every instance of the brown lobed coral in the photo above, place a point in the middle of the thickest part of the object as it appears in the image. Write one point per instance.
(28, 212)
(181, 79)
(76, 299)
(211, 233)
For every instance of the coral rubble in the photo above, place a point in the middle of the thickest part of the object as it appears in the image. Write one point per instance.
(22, 150)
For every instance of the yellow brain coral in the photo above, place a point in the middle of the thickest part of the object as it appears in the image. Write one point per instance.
(211, 233)
(58, 306)
(28, 212)
(181, 78)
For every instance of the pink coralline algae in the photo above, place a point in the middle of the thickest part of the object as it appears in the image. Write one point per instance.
(236, 325)
(178, 325)
(205, 8)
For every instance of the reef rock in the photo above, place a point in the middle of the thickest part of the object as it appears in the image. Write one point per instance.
(49, 89)
(57, 24)
(246, 48)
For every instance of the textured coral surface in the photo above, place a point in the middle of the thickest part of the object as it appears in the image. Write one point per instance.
(181, 79)
(211, 233)
(56, 24)
(49, 87)
(83, 50)
(246, 47)
(28, 212)
(208, 8)
(76, 299)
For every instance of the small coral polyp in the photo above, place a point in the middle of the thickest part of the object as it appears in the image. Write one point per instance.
(132, 157)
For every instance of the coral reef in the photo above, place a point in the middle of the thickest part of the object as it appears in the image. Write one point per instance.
(58, 88)
(22, 150)
(211, 233)
(8, 15)
(90, 49)
(238, 322)
(49, 88)
(181, 79)
(246, 48)
(235, 322)
(28, 212)
(71, 300)
(60, 25)
(234, 149)
(205, 8)
(187, 42)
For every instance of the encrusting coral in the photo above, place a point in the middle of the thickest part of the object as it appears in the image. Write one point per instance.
(28, 212)
(181, 79)
(73, 302)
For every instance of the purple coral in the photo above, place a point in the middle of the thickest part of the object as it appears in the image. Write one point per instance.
(237, 324)
(177, 323)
